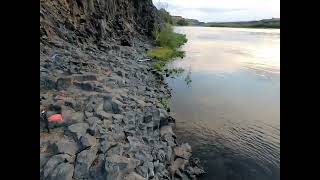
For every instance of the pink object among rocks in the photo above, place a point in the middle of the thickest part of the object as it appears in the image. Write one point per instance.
(55, 118)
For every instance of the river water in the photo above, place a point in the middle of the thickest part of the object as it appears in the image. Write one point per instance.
(227, 101)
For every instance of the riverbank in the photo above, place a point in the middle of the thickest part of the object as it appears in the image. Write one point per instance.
(114, 124)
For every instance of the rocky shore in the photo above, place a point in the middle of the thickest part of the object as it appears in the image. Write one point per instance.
(114, 126)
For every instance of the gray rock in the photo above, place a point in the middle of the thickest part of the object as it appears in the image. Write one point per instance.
(76, 105)
(104, 146)
(150, 169)
(169, 139)
(43, 159)
(115, 148)
(134, 176)
(178, 164)
(131, 116)
(116, 106)
(140, 102)
(63, 171)
(149, 89)
(111, 82)
(86, 86)
(88, 114)
(79, 129)
(47, 82)
(84, 161)
(136, 143)
(103, 115)
(63, 83)
(92, 104)
(161, 156)
(179, 174)
(196, 171)
(87, 141)
(53, 162)
(143, 171)
(169, 154)
(73, 117)
(115, 159)
(92, 120)
(117, 166)
(166, 130)
(117, 118)
(107, 123)
(147, 118)
(159, 167)
(120, 73)
(163, 117)
(65, 146)
(96, 129)
(143, 156)
(87, 77)
(97, 170)
(107, 104)
(156, 114)
(183, 151)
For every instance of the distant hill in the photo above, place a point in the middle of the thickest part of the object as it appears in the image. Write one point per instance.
(180, 21)
(265, 23)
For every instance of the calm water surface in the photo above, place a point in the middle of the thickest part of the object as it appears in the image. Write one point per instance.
(227, 101)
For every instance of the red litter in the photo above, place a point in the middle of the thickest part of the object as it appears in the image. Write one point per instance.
(55, 118)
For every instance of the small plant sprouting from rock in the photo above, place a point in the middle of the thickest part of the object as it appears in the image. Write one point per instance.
(112, 146)
(188, 79)
(175, 71)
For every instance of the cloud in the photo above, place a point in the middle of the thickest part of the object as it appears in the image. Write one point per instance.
(217, 10)
(223, 10)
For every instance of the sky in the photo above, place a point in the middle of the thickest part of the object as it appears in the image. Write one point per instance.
(222, 10)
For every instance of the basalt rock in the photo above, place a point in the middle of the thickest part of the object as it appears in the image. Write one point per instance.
(113, 126)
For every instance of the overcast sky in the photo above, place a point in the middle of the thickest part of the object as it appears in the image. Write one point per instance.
(223, 10)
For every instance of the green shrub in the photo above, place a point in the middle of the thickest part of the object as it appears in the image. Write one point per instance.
(167, 38)
(168, 42)
(182, 22)
(178, 53)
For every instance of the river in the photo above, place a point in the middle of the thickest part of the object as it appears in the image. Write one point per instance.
(227, 101)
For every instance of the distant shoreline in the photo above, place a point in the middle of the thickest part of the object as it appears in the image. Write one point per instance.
(273, 23)
(245, 27)
(231, 27)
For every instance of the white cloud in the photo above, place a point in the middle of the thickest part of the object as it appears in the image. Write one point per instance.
(223, 10)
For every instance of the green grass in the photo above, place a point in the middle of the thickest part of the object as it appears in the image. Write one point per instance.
(158, 65)
(161, 53)
(164, 53)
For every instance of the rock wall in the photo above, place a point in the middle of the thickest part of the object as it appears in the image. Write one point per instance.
(83, 21)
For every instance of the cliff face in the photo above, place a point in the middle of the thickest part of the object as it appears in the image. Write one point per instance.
(82, 21)
(94, 74)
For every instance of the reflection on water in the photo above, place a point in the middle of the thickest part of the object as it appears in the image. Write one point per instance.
(226, 102)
